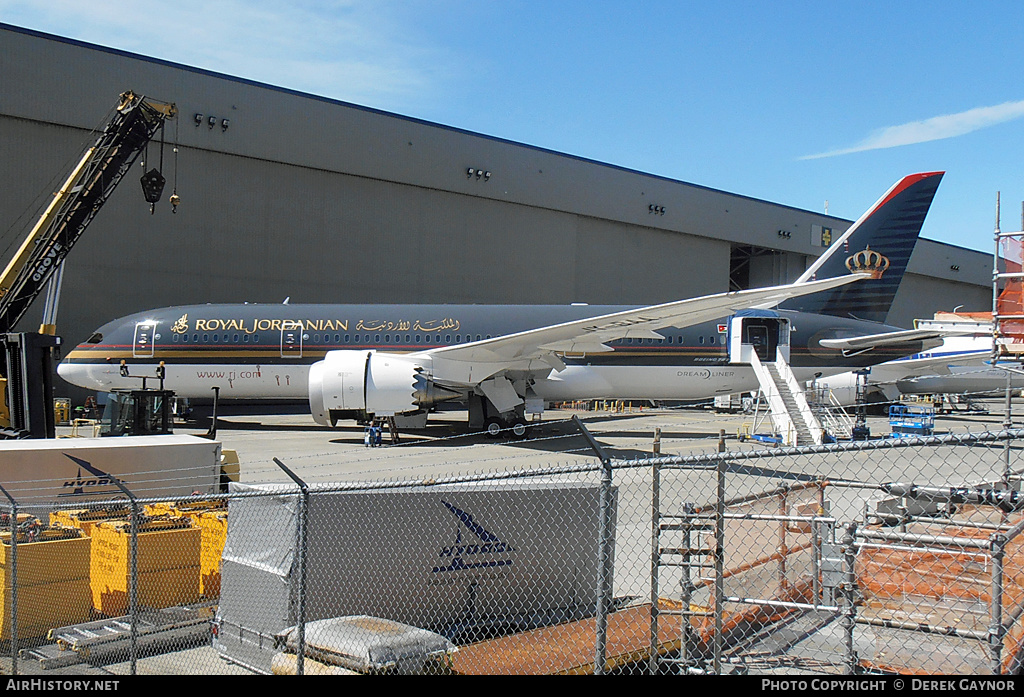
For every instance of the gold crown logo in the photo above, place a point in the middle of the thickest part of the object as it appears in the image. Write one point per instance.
(869, 261)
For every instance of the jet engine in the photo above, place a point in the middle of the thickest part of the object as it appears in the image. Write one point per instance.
(346, 384)
(844, 390)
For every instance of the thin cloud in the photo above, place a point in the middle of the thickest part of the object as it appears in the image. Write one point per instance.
(364, 51)
(935, 128)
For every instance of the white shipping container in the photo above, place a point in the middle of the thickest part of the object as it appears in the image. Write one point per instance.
(55, 472)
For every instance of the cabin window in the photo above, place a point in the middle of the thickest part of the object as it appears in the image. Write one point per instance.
(347, 337)
(407, 339)
(387, 338)
(255, 338)
(700, 340)
(448, 338)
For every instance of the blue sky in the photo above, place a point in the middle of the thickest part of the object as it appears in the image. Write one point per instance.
(794, 102)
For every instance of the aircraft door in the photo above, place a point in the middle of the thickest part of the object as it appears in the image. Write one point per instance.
(757, 337)
(291, 340)
(142, 345)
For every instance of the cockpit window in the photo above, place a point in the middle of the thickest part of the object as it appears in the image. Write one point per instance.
(95, 338)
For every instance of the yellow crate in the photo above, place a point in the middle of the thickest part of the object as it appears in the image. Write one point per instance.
(186, 508)
(168, 564)
(211, 518)
(158, 508)
(53, 584)
(85, 518)
(214, 526)
(43, 607)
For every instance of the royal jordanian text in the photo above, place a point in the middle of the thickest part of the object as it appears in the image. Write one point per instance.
(252, 326)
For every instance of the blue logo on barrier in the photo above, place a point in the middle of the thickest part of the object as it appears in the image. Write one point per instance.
(488, 544)
(76, 486)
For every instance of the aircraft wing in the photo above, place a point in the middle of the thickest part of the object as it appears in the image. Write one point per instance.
(887, 339)
(536, 349)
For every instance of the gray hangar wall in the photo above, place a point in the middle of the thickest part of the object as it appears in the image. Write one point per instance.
(317, 200)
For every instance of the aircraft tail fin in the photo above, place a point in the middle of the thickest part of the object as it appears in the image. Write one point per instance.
(880, 242)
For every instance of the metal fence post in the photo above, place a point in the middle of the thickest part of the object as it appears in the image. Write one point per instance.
(849, 596)
(300, 662)
(652, 661)
(605, 551)
(719, 565)
(14, 581)
(995, 630)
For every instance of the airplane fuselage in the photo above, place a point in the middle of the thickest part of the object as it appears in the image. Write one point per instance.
(262, 351)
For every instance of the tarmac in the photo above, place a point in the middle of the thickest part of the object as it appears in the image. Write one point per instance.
(445, 448)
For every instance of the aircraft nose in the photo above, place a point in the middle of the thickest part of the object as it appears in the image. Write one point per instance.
(88, 375)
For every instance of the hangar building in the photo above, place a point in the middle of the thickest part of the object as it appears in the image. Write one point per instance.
(290, 195)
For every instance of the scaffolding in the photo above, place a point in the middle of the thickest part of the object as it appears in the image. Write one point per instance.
(1008, 313)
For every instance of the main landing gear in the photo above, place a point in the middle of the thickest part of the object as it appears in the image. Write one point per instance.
(484, 417)
(516, 427)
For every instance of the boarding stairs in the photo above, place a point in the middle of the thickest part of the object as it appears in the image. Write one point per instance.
(792, 416)
(833, 416)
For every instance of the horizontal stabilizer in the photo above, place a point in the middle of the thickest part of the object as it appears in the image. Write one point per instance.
(887, 339)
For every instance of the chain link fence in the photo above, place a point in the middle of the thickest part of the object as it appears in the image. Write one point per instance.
(890, 555)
